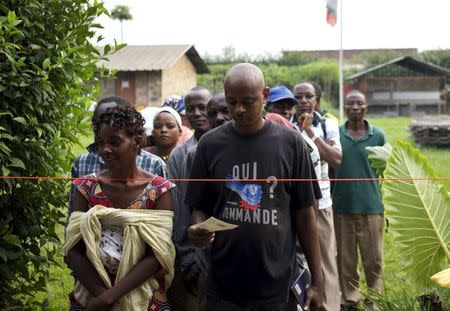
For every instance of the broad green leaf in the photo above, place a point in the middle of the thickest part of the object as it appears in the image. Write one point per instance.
(46, 63)
(35, 46)
(4, 148)
(11, 17)
(6, 136)
(15, 162)
(418, 211)
(6, 113)
(20, 120)
(378, 156)
(12, 239)
(106, 49)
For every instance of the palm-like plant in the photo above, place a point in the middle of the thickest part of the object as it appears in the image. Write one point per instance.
(418, 208)
(122, 13)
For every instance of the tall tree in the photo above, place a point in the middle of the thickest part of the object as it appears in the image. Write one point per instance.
(122, 13)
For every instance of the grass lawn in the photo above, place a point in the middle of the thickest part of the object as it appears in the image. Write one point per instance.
(61, 283)
(397, 129)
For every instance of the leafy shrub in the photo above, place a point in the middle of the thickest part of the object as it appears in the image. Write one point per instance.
(438, 57)
(46, 83)
(323, 72)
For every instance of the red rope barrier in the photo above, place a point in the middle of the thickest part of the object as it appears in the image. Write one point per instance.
(225, 179)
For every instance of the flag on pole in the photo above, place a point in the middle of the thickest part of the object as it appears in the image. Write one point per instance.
(331, 12)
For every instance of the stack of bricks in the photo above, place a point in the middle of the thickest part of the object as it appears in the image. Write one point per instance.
(431, 130)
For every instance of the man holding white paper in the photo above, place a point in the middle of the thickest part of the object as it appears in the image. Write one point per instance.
(253, 266)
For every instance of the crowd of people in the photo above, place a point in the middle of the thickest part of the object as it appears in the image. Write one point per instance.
(257, 157)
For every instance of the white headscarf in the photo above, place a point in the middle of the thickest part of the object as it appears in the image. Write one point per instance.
(148, 114)
(171, 111)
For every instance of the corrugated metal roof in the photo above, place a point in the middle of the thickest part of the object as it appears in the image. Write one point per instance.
(153, 57)
(407, 61)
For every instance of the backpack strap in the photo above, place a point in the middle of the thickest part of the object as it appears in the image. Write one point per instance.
(324, 127)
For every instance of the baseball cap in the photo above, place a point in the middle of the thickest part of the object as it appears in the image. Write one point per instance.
(280, 93)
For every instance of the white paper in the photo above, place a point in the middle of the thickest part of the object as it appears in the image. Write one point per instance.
(213, 224)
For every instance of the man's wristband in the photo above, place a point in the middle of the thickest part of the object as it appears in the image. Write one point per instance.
(314, 137)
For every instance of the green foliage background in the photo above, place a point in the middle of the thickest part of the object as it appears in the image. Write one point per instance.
(324, 72)
(294, 66)
(45, 62)
(438, 57)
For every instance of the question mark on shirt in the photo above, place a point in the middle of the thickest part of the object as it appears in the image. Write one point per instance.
(273, 180)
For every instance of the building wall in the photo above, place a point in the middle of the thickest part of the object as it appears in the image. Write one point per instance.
(106, 88)
(148, 89)
(151, 87)
(125, 85)
(404, 96)
(179, 79)
(147, 86)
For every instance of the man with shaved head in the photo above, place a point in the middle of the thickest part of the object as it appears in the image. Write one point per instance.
(248, 161)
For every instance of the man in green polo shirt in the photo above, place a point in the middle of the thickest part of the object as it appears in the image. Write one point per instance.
(358, 210)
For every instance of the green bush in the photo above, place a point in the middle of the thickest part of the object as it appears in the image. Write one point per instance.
(324, 72)
(47, 81)
(437, 57)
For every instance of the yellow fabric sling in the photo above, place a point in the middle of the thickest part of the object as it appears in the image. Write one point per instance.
(140, 227)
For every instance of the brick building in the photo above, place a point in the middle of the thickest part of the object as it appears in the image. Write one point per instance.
(147, 74)
(404, 86)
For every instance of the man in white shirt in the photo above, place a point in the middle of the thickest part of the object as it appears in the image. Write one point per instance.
(324, 132)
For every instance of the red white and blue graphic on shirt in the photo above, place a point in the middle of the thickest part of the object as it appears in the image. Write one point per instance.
(250, 193)
(248, 208)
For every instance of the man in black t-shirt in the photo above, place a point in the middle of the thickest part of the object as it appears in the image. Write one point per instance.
(253, 266)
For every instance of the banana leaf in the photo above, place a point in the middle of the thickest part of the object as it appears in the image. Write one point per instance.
(419, 213)
(378, 156)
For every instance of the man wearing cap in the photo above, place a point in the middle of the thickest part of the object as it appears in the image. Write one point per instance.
(324, 132)
(281, 101)
(186, 292)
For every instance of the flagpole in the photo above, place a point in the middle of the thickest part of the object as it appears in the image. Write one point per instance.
(341, 67)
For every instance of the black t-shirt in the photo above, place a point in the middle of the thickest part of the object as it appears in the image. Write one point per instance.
(254, 263)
